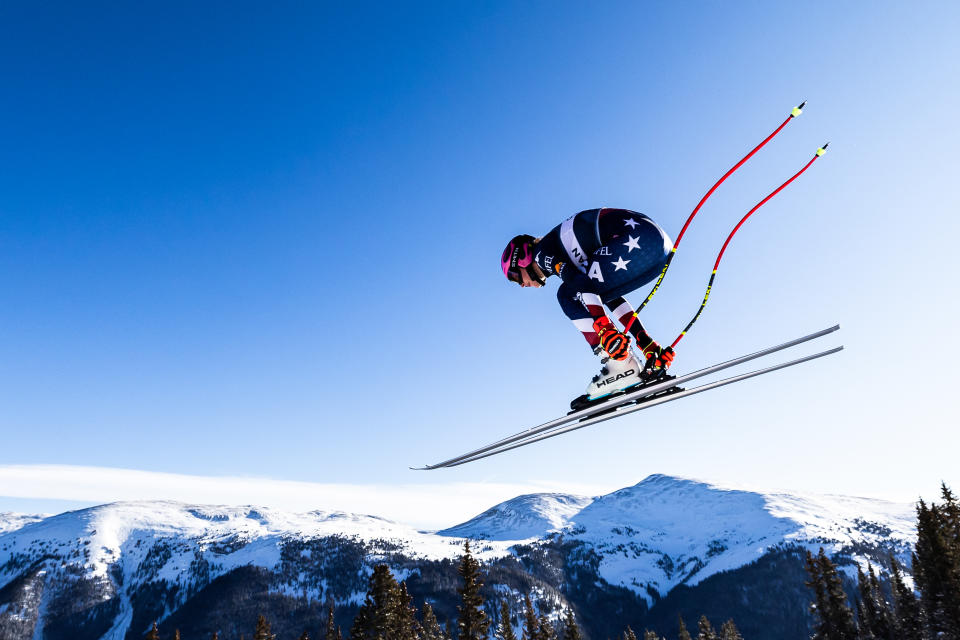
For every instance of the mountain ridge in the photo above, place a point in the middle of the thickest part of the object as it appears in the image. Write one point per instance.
(635, 545)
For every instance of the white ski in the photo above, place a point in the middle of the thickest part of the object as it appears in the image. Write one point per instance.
(632, 401)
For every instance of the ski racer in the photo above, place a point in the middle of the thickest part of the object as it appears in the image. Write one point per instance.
(600, 255)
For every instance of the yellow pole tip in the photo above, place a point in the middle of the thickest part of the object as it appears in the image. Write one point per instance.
(796, 111)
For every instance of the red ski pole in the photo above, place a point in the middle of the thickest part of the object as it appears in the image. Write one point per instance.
(793, 114)
(716, 264)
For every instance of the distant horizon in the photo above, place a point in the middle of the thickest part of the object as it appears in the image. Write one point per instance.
(452, 504)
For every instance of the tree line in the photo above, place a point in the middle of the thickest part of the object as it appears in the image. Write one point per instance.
(388, 613)
(892, 610)
(929, 609)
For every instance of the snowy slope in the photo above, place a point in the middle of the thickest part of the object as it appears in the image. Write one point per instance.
(649, 538)
(122, 529)
(12, 521)
(666, 531)
(135, 544)
(528, 516)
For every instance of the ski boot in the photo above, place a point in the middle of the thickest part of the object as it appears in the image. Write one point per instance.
(615, 376)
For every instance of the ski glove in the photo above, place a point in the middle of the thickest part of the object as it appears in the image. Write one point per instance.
(665, 359)
(615, 343)
(658, 359)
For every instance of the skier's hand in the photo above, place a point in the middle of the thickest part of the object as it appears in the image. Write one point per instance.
(615, 343)
(665, 359)
(658, 361)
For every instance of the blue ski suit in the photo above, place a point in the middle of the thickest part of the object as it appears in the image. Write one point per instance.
(601, 255)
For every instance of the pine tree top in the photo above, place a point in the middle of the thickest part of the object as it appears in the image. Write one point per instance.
(530, 621)
(705, 629)
(570, 629)
(505, 627)
(472, 621)
(263, 629)
(729, 631)
(430, 625)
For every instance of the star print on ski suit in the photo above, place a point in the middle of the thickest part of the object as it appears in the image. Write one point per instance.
(601, 255)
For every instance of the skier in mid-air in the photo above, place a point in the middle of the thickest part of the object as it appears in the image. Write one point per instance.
(600, 255)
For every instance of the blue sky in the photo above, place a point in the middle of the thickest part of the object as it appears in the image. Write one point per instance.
(240, 241)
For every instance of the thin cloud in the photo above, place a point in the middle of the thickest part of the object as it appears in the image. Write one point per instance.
(428, 506)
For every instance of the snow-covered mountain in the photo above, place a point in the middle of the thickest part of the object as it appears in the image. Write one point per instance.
(108, 571)
(682, 531)
(10, 521)
(534, 515)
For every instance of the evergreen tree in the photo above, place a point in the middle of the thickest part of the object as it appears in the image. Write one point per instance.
(951, 515)
(408, 627)
(684, 634)
(381, 616)
(530, 622)
(215, 636)
(330, 632)
(154, 633)
(863, 632)
(866, 607)
(176, 634)
(936, 566)
(729, 631)
(304, 636)
(431, 628)
(705, 629)
(909, 618)
(834, 617)
(545, 630)
(629, 634)
(650, 635)
(570, 629)
(263, 630)
(472, 622)
(874, 612)
(950, 525)
(504, 630)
